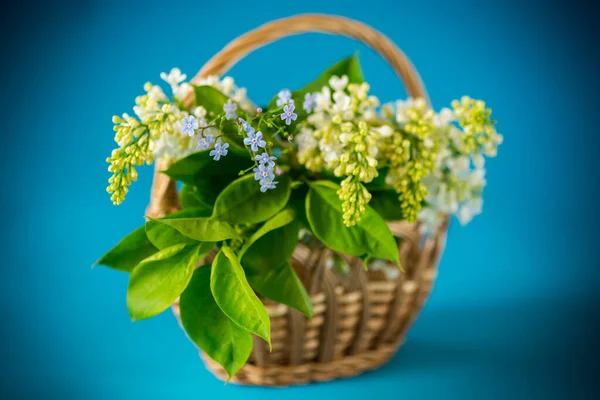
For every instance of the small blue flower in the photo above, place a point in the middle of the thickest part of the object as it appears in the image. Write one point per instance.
(268, 184)
(229, 109)
(205, 142)
(219, 150)
(284, 97)
(277, 152)
(263, 174)
(289, 114)
(264, 158)
(247, 127)
(189, 125)
(254, 140)
(309, 102)
(202, 144)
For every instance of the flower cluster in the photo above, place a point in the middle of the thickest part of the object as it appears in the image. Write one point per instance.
(466, 134)
(339, 137)
(141, 139)
(410, 152)
(434, 161)
(264, 172)
(135, 148)
(162, 129)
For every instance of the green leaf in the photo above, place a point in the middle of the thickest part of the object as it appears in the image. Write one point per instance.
(298, 204)
(209, 328)
(209, 176)
(348, 66)
(283, 286)
(200, 229)
(190, 197)
(272, 244)
(386, 203)
(128, 253)
(265, 258)
(242, 202)
(163, 236)
(235, 297)
(158, 280)
(371, 236)
(211, 99)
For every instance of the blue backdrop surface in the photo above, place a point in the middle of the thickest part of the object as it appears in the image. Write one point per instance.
(510, 314)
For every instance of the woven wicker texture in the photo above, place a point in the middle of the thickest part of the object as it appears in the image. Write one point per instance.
(361, 317)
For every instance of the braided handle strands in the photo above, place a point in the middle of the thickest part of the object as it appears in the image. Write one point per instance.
(361, 320)
(164, 197)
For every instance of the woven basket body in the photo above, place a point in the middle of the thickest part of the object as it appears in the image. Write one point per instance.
(360, 317)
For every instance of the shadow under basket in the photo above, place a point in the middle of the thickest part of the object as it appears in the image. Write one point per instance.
(360, 317)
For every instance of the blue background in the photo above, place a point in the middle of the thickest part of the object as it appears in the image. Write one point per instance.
(513, 312)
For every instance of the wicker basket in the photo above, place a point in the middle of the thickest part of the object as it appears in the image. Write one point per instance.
(359, 320)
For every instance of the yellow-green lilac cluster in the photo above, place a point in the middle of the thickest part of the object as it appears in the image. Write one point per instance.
(140, 138)
(466, 133)
(156, 132)
(358, 167)
(135, 148)
(434, 161)
(338, 137)
(479, 131)
(410, 153)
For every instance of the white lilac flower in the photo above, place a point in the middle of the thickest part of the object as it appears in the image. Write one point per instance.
(227, 85)
(239, 96)
(219, 150)
(470, 209)
(199, 112)
(338, 84)
(478, 161)
(288, 114)
(264, 158)
(383, 130)
(268, 185)
(255, 140)
(341, 103)
(189, 125)
(402, 106)
(284, 97)
(181, 91)
(430, 219)
(166, 146)
(229, 109)
(174, 78)
(444, 117)
(309, 102)
(323, 99)
(263, 173)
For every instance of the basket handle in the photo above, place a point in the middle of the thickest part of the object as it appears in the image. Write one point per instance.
(163, 199)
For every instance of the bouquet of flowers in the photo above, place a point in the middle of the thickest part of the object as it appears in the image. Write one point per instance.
(325, 163)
